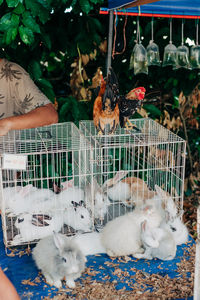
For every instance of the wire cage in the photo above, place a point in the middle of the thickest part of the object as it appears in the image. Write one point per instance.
(40, 186)
(197, 260)
(130, 163)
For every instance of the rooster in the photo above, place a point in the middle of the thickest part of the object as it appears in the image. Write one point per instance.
(129, 104)
(105, 109)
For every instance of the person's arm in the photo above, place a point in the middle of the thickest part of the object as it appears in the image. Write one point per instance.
(7, 289)
(40, 116)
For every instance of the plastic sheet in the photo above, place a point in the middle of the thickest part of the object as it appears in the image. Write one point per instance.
(23, 270)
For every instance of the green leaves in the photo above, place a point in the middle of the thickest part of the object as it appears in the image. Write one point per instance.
(47, 88)
(9, 25)
(85, 6)
(10, 35)
(38, 10)
(26, 35)
(34, 69)
(19, 9)
(153, 110)
(5, 22)
(29, 22)
(12, 3)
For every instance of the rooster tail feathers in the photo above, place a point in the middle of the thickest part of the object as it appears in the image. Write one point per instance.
(112, 78)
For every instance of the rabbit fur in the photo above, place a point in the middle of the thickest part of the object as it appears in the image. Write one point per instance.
(178, 229)
(69, 196)
(29, 199)
(30, 229)
(157, 242)
(171, 218)
(131, 191)
(96, 200)
(89, 243)
(57, 257)
(121, 236)
(78, 217)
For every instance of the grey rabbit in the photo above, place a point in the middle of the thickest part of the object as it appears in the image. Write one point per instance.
(57, 256)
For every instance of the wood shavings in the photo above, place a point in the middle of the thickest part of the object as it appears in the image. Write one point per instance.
(28, 282)
(143, 286)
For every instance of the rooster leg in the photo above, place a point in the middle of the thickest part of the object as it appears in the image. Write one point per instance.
(130, 126)
(113, 128)
(101, 130)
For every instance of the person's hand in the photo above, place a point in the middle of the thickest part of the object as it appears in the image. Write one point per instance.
(5, 126)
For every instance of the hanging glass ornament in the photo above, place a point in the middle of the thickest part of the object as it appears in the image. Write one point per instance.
(182, 54)
(153, 55)
(195, 51)
(140, 55)
(169, 57)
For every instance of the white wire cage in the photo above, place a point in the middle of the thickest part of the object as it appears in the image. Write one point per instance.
(129, 163)
(197, 260)
(40, 183)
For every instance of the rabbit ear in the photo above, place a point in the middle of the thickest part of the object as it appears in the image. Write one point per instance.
(180, 214)
(118, 176)
(24, 191)
(168, 217)
(67, 184)
(58, 240)
(160, 192)
(95, 183)
(149, 238)
(56, 188)
(81, 203)
(18, 188)
(144, 225)
(75, 204)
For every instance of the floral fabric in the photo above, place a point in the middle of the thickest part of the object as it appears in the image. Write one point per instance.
(18, 93)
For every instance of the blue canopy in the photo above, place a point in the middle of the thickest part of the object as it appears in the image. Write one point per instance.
(162, 8)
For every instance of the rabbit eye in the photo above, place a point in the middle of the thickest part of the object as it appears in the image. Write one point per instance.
(82, 217)
(20, 220)
(173, 228)
(64, 259)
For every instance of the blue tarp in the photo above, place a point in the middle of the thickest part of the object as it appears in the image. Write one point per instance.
(162, 7)
(22, 271)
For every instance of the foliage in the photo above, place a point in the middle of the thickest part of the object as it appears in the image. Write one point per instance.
(62, 43)
(46, 32)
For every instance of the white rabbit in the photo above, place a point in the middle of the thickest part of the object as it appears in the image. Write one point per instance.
(131, 191)
(113, 181)
(69, 196)
(157, 242)
(177, 228)
(57, 257)
(78, 217)
(167, 203)
(89, 243)
(29, 199)
(121, 236)
(31, 227)
(116, 189)
(64, 185)
(171, 217)
(95, 199)
(120, 192)
(15, 195)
